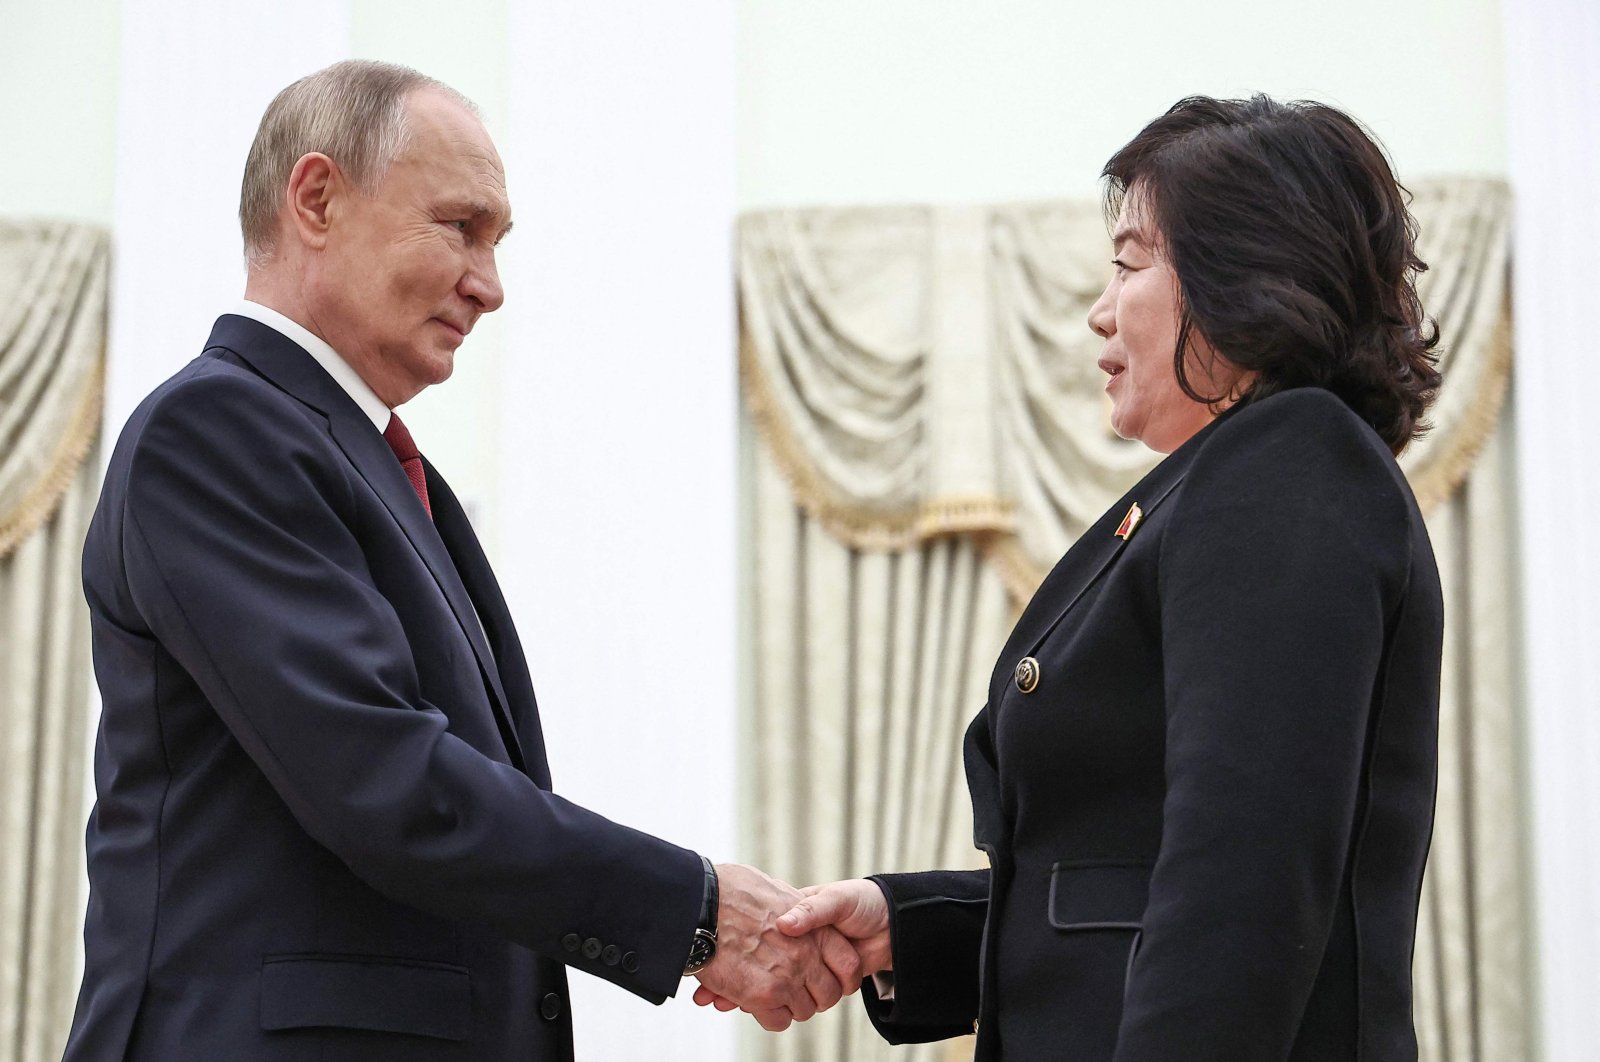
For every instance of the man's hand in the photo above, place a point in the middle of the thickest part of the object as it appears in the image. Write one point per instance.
(856, 909)
(778, 977)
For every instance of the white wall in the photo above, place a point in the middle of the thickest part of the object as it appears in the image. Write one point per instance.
(618, 435)
(58, 81)
(955, 100)
(1554, 52)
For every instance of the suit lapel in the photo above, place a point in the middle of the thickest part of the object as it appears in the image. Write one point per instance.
(283, 362)
(469, 561)
(377, 465)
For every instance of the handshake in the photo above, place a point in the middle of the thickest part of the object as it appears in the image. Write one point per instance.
(785, 954)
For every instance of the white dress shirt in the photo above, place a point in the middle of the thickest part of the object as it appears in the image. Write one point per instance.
(326, 356)
(342, 374)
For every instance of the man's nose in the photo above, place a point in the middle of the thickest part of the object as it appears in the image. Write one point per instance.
(481, 285)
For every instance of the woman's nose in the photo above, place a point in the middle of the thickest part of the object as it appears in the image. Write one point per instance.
(1102, 316)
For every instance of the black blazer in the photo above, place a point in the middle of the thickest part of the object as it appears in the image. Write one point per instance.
(324, 827)
(1206, 825)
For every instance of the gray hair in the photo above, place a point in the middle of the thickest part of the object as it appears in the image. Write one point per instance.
(354, 112)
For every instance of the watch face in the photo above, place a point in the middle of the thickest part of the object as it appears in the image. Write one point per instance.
(701, 949)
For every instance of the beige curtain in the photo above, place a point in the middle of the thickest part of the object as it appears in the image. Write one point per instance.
(869, 665)
(1472, 1001)
(932, 435)
(52, 341)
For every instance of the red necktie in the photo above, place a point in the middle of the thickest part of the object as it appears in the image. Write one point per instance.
(405, 449)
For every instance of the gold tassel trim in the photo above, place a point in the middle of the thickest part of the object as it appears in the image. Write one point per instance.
(40, 503)
(1448, 470)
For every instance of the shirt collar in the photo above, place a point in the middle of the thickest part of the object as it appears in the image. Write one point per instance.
(334, 365)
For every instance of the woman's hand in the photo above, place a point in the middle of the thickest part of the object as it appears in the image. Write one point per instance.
(855, 908)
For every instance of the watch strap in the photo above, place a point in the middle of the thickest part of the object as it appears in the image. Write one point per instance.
(704, 944)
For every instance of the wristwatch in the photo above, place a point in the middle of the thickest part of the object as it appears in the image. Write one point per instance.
(704, 944)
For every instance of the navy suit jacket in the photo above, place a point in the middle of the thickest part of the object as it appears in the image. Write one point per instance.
(324, 826)
(1207, 822)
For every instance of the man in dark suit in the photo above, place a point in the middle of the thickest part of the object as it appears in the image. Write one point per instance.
(325, 826)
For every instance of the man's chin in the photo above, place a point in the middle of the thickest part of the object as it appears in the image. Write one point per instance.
(424, 369)
(438, 365)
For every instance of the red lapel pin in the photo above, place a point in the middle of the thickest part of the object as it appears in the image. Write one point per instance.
(1130, 523)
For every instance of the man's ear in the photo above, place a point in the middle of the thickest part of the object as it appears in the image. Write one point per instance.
(315, 184)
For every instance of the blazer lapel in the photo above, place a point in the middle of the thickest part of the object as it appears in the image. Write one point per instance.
(283, 362)
(1088, 558)
(1078, 570)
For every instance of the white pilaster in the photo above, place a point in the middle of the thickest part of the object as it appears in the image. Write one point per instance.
(1553, 74)
(618, 545)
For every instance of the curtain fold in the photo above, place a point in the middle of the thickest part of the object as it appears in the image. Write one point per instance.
(870, 664)
(932, 436)
(52, 338)
(1472, 998)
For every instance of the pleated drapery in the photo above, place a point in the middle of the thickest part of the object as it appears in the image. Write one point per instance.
(932, 436)
(1472, 997)
(52, 341)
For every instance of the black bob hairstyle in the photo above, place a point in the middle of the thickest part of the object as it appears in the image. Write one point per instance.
(1294, 251)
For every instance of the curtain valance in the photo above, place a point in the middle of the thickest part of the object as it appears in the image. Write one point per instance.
(921, 371)
(53, 279)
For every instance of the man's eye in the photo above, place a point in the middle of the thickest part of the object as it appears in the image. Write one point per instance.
(461, 226)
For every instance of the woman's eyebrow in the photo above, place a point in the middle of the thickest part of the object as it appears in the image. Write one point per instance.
(1127, 234)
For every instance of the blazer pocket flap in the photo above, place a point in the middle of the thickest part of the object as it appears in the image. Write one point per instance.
(382, 995)
(1098, 895)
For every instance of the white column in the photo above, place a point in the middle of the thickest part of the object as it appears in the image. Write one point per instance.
(1553, 74)
(619, 506)
(195, 77)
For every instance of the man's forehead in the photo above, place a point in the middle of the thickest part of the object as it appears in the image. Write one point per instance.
(459, 159)
(433, 104)
(442, 125)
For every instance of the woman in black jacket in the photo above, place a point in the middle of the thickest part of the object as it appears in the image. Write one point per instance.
(1204, 777)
